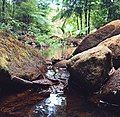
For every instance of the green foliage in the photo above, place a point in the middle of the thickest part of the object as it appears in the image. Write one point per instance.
(54, 45)
(78, 17)
(105, 11)
(99, 17)
(45, 40)
(89, 13)
(27, 15)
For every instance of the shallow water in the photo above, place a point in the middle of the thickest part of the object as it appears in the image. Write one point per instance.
(65, 104)
(60, 105)
(54, 106)
(69, 104)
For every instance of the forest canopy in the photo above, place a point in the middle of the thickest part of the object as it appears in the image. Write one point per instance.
(42, 18)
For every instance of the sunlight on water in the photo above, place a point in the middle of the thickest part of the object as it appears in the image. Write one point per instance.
(55, 105)
(55, 99)
(51, 107)
(69, 104)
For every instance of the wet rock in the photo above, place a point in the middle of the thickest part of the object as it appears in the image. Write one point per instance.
(91, 40)
(73, 42)
(113, 44)
(61, 64)
(89, 69)
(54, 61)
(17, 60)
(68, 52)
(110, 92)
(19, 104)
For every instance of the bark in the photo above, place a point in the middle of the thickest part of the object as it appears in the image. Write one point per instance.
(77, 23)
(3, 9)
(86, 18)
(81, 22)
(13, 10)
(89, 10)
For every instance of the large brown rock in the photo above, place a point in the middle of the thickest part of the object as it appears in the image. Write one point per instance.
(110, 92)
(91, 40)
(19, 61)
(113, 44)
(89, 69)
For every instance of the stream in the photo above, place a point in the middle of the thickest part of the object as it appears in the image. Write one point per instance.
(68, 104)
(62, 103)
(65, 103)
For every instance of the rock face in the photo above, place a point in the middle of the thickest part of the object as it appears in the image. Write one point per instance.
(18, 105)
(91, 40)
(89, 69)
(113, 44)
(95, 65)
(17, 60)
(110, 92)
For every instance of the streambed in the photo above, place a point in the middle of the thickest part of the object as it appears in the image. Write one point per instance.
(63, 103)
(69, 104)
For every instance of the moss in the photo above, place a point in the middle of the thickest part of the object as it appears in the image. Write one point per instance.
(3, 62)
(18, 58)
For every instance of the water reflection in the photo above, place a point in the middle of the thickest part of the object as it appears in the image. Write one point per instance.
(58, 73)
(53, 106)
(78, 106)
(71, 104)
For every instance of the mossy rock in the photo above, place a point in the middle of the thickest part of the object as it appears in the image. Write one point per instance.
(19, 60)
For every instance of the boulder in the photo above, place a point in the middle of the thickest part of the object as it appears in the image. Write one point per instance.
(19, 62)
(20, 104)
(113, 44)
(89, 69)
(61, 64)
(93, 39)
(110, 92)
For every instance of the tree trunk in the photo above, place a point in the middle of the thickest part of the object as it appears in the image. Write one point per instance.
(62, 28)
(81, 20)
(111, 12)
(0, 10)
(78, 23)
(13, 9)
(89, 10)
(107, 4)
(3, 10)
(86, 18)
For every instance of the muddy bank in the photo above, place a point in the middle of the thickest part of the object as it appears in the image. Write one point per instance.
(19, 104)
